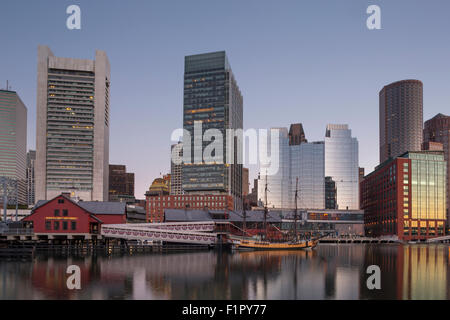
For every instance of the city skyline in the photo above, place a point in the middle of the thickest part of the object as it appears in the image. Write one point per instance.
(298, 70)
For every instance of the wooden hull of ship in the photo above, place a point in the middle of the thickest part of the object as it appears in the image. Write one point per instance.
(265, 245)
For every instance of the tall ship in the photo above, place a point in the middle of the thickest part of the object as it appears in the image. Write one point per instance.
(295, 242)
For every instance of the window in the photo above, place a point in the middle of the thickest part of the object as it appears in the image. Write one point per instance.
(56, 212)
(56, 225)
(73, 225)
(48, 225)
(65, 212)
(64, 225)
(60, 200)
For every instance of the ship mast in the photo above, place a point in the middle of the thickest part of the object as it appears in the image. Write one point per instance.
(265, 209)
(295, 212)
(244, 226)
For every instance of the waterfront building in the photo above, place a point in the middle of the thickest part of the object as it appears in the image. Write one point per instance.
(341, 164)
(176, 182)
(437, 130)
(405, 197)
(158, 200)
(212, 98)
(121, 183)
(31, 159)
(63, 218)
(304, 161)
(401, 118)
(13, 145)
(72, 126)
(337, 222)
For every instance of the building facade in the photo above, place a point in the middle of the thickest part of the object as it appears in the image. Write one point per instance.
(304, 161)
(72, 126)
(405, 197)
(342, 164)
(64, 218)
(245, 182)
(401, 118)
(176, 169)
(437, 130)
(13, 145)
(121, 183)
(158, 199)
(31, 159)
(330, 193)
(296, 134)
(212, 100)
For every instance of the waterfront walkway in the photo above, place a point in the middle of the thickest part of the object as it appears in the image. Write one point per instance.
(358, 240)
(177, 232)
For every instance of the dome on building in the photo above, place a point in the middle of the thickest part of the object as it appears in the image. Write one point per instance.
(159, 186)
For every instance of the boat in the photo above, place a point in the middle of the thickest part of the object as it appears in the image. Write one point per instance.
(270, 245)
(266, 244)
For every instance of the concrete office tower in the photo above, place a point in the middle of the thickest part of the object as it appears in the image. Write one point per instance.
(341, 164)
(304, 161)
(401, 118)
(212, 98)
(437, 129)
(176, 169)
(72, 126)
(31, 160)
(13, 143)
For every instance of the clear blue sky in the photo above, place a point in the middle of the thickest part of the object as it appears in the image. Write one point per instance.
(313, 62)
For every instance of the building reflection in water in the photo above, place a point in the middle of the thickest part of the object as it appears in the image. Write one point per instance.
(328, 272)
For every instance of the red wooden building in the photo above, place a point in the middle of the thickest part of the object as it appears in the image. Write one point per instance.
(63, 217)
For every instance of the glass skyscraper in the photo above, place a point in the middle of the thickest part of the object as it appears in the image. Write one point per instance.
(341, 164)
(13, 143)
(304, 161)
(213, 100)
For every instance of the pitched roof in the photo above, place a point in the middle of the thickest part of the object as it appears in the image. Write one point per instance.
(94, 207)
(186, 215)
(103, 207)
(203, 215)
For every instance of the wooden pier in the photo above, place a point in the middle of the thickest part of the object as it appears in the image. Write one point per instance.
(25, 253)
(357, 240)
(29, 250)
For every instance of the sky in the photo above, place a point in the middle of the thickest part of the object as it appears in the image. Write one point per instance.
(313, 62)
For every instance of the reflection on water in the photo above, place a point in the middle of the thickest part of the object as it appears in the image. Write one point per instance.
(328, 272)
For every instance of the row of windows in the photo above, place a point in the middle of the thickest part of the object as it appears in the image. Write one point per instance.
(56, 225)
(65, 212)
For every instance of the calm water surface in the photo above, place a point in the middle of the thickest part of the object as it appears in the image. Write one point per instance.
(328, 272)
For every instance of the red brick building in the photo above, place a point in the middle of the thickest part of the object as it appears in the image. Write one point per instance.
(62, 217)
(405, 197)
(156, 204)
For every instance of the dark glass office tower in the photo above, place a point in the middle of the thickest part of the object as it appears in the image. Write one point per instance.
(212, 97)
